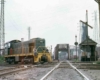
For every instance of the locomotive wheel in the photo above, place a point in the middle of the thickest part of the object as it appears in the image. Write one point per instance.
(15, 62)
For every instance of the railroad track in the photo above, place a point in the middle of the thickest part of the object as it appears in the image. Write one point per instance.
(63, 71)
(46, 65)
(8, 71)
(88, 66)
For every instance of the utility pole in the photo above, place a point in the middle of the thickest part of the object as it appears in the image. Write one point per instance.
(95, 36)
(28, 33)
(86, 23)
(98, 1)
(87, 37)
(2, 28)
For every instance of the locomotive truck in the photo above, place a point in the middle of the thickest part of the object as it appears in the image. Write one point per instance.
(32, 51)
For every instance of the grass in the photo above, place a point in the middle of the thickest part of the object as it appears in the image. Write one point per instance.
(76, 60)
(97, 62)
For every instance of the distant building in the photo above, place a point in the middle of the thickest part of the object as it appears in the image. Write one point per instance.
(73, 52)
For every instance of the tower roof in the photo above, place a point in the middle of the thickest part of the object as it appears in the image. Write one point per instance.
(88, 42)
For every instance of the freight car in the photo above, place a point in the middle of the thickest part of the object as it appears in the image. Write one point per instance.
(33, 51)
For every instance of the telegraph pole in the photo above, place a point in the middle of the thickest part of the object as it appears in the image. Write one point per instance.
(87, 37)
(86, 23)
(28, 33)
(2, 28)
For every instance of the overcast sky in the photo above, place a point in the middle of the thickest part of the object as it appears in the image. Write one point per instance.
(55, 20)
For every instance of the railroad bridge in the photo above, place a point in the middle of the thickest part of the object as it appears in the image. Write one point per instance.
(61, 47)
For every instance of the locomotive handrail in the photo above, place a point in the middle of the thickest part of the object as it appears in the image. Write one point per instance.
(41, 48)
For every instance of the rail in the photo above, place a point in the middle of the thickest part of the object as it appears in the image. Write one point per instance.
(6, 69)
(50, 72)
(78, 71)
(44, 77)
(13, 71)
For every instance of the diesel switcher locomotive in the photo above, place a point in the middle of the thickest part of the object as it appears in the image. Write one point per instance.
(31, 51)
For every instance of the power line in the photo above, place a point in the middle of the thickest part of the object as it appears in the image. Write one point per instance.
(15, 25)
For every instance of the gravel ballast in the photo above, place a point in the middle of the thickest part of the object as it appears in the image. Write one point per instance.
(64, 74)
(31, 74)
(91, 74)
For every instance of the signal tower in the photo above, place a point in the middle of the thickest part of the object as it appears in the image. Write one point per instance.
(2, 28)
(98, 1)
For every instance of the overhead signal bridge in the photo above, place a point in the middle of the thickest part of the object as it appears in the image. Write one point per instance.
(61, 47)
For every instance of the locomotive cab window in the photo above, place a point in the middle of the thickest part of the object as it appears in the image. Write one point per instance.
(9, 45)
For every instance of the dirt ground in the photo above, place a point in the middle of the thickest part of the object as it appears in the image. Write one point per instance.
(31, 74)
(91, 74)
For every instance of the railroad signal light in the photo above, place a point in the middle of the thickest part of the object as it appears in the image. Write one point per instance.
(76, 43)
